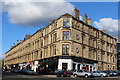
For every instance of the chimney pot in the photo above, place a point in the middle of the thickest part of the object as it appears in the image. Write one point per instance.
(85, 18)
(76, 13)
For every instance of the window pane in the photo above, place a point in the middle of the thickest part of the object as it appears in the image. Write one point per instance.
(80, 71)
(65, 49)
(65, 35)
(66, 23)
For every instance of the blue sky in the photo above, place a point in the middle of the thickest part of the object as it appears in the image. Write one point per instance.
(13, 31)
(98, 10)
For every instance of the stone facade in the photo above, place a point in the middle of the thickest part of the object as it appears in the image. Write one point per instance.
(66, 36)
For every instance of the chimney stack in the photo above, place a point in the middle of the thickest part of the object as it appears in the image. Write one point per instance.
(27, 36)
(85, 18)
(76, 13)
(89, 21)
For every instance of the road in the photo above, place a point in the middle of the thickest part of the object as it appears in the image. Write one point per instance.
(19, 76)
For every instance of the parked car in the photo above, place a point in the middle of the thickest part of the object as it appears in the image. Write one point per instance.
(14, 70)
(112, 73)
(99, 74)
(109, 72)
(118, 72)
(30, 72)
(3, 69)
(115, 73)
(81, 73)
(23, 70)
(56, 71)
(63, 73)
(8, 70)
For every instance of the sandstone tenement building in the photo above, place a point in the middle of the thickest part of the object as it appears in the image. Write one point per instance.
(66, 43)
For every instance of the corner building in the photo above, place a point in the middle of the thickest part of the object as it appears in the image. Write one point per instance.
(66, 43)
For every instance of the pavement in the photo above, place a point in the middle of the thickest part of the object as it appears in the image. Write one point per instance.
(19, 76)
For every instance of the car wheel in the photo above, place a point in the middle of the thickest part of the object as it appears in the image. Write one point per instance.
(102, 75)
(108, 75)
(86, 76)
(75, 75)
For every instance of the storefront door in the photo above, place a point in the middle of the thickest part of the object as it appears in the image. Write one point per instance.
(64, 66)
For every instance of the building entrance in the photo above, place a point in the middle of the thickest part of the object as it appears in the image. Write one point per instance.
(64, 66)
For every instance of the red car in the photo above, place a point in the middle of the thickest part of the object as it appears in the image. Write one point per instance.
(63, 73)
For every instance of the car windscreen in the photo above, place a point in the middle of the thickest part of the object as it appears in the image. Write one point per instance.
(85, 70)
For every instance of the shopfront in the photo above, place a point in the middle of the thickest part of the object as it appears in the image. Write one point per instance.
(75, 63)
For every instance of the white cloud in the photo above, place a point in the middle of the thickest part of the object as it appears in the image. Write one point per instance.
(35, 13)
(109, 24)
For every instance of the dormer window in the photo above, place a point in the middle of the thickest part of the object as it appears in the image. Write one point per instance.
(66, 23)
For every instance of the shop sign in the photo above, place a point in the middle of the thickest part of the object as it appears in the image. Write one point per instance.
(36, 62)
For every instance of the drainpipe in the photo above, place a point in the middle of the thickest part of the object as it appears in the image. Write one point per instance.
(82, 45)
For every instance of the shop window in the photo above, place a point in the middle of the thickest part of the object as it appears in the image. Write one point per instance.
(78, 67)
(74, 65)
(65, 49)
(108, 67)
(65, 35)
(66, 23)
